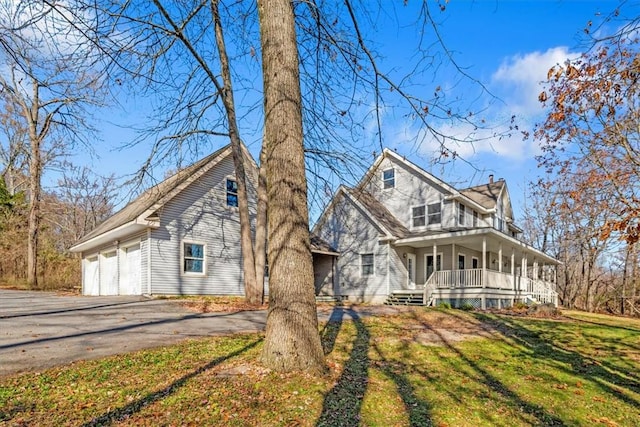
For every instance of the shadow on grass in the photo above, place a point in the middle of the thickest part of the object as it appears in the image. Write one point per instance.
(609, 377)
(331, 329)
(120, 414)
(343, 403)
(542, 417)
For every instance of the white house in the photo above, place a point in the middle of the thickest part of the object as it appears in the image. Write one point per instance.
(404, 235)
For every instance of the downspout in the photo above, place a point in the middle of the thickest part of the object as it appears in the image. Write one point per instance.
(388, 268)
(148, 261)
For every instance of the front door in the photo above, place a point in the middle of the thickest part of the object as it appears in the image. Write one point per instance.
(429, 265)
(461, 263)
(411, 271)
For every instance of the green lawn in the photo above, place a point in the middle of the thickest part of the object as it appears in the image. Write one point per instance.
(424, 367)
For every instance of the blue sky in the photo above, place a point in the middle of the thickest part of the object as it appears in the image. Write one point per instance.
(506, 45)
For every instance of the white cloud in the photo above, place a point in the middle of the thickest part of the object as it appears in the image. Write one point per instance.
(519, 79)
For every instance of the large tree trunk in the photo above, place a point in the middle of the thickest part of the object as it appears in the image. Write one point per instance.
(261, 226)
(253, 293)
(35, 185)
(35, 172)
(292, 341)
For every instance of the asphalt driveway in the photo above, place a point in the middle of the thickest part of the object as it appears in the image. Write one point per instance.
(40, 330)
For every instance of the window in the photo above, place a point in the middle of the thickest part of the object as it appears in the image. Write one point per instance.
(418, 216)
(474, 262)
(461, 214)
(434, 213)
(232, 193)
(366, 264)
(193, 258)
(388, 178)
(475, 218)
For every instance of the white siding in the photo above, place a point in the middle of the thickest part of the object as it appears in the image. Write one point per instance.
(199, 214)
(351, 233)
(411, 189)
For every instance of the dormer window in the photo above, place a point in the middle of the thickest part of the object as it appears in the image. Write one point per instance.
(388, 178)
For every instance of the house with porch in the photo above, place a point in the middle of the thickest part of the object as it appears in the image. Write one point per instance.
(405, 236)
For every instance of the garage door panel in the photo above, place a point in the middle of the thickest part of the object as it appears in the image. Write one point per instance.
(109, 274)
(90, 281)
(130, 265)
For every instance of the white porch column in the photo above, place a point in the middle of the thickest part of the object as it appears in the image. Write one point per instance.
(513, 267)
(484, 261)
(535, 269)
(526, 275)
(500, 258)
(454, 266)
(435, 257)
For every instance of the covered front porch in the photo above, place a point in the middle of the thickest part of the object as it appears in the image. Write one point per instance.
(483, 267)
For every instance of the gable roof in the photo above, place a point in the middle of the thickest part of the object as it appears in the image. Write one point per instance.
(454, 193)
(139, 213)
(378, 212)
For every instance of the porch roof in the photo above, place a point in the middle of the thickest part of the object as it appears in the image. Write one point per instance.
(473, 239)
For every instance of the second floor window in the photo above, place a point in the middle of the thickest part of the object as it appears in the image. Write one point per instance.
(461, 214)
(434, 213)
(232, 193)
(475, 218)
(418, 216)
(388, 178)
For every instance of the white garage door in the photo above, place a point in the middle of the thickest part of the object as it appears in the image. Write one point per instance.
(109, 274)
(130, 271)
(90, 280)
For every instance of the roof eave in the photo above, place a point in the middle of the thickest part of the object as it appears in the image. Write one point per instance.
(114, 235)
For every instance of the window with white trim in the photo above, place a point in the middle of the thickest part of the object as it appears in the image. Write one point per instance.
(232, 193)
(366, 264)
(192, 258)
(475, 219)
(434, 213)
(461, 214)
(418, 216)
(388, 178)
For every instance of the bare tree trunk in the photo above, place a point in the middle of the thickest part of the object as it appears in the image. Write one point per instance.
(253, 293)
(261, 225)
(35, 187)
(35, 172)
(292, 341)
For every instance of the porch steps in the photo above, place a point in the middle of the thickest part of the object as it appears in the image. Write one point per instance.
(405, 298)
(330, 298)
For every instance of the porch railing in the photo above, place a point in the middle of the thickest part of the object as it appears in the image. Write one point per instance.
(539, 290)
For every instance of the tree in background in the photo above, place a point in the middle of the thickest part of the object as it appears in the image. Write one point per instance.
(47, 82)
(590, 144)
